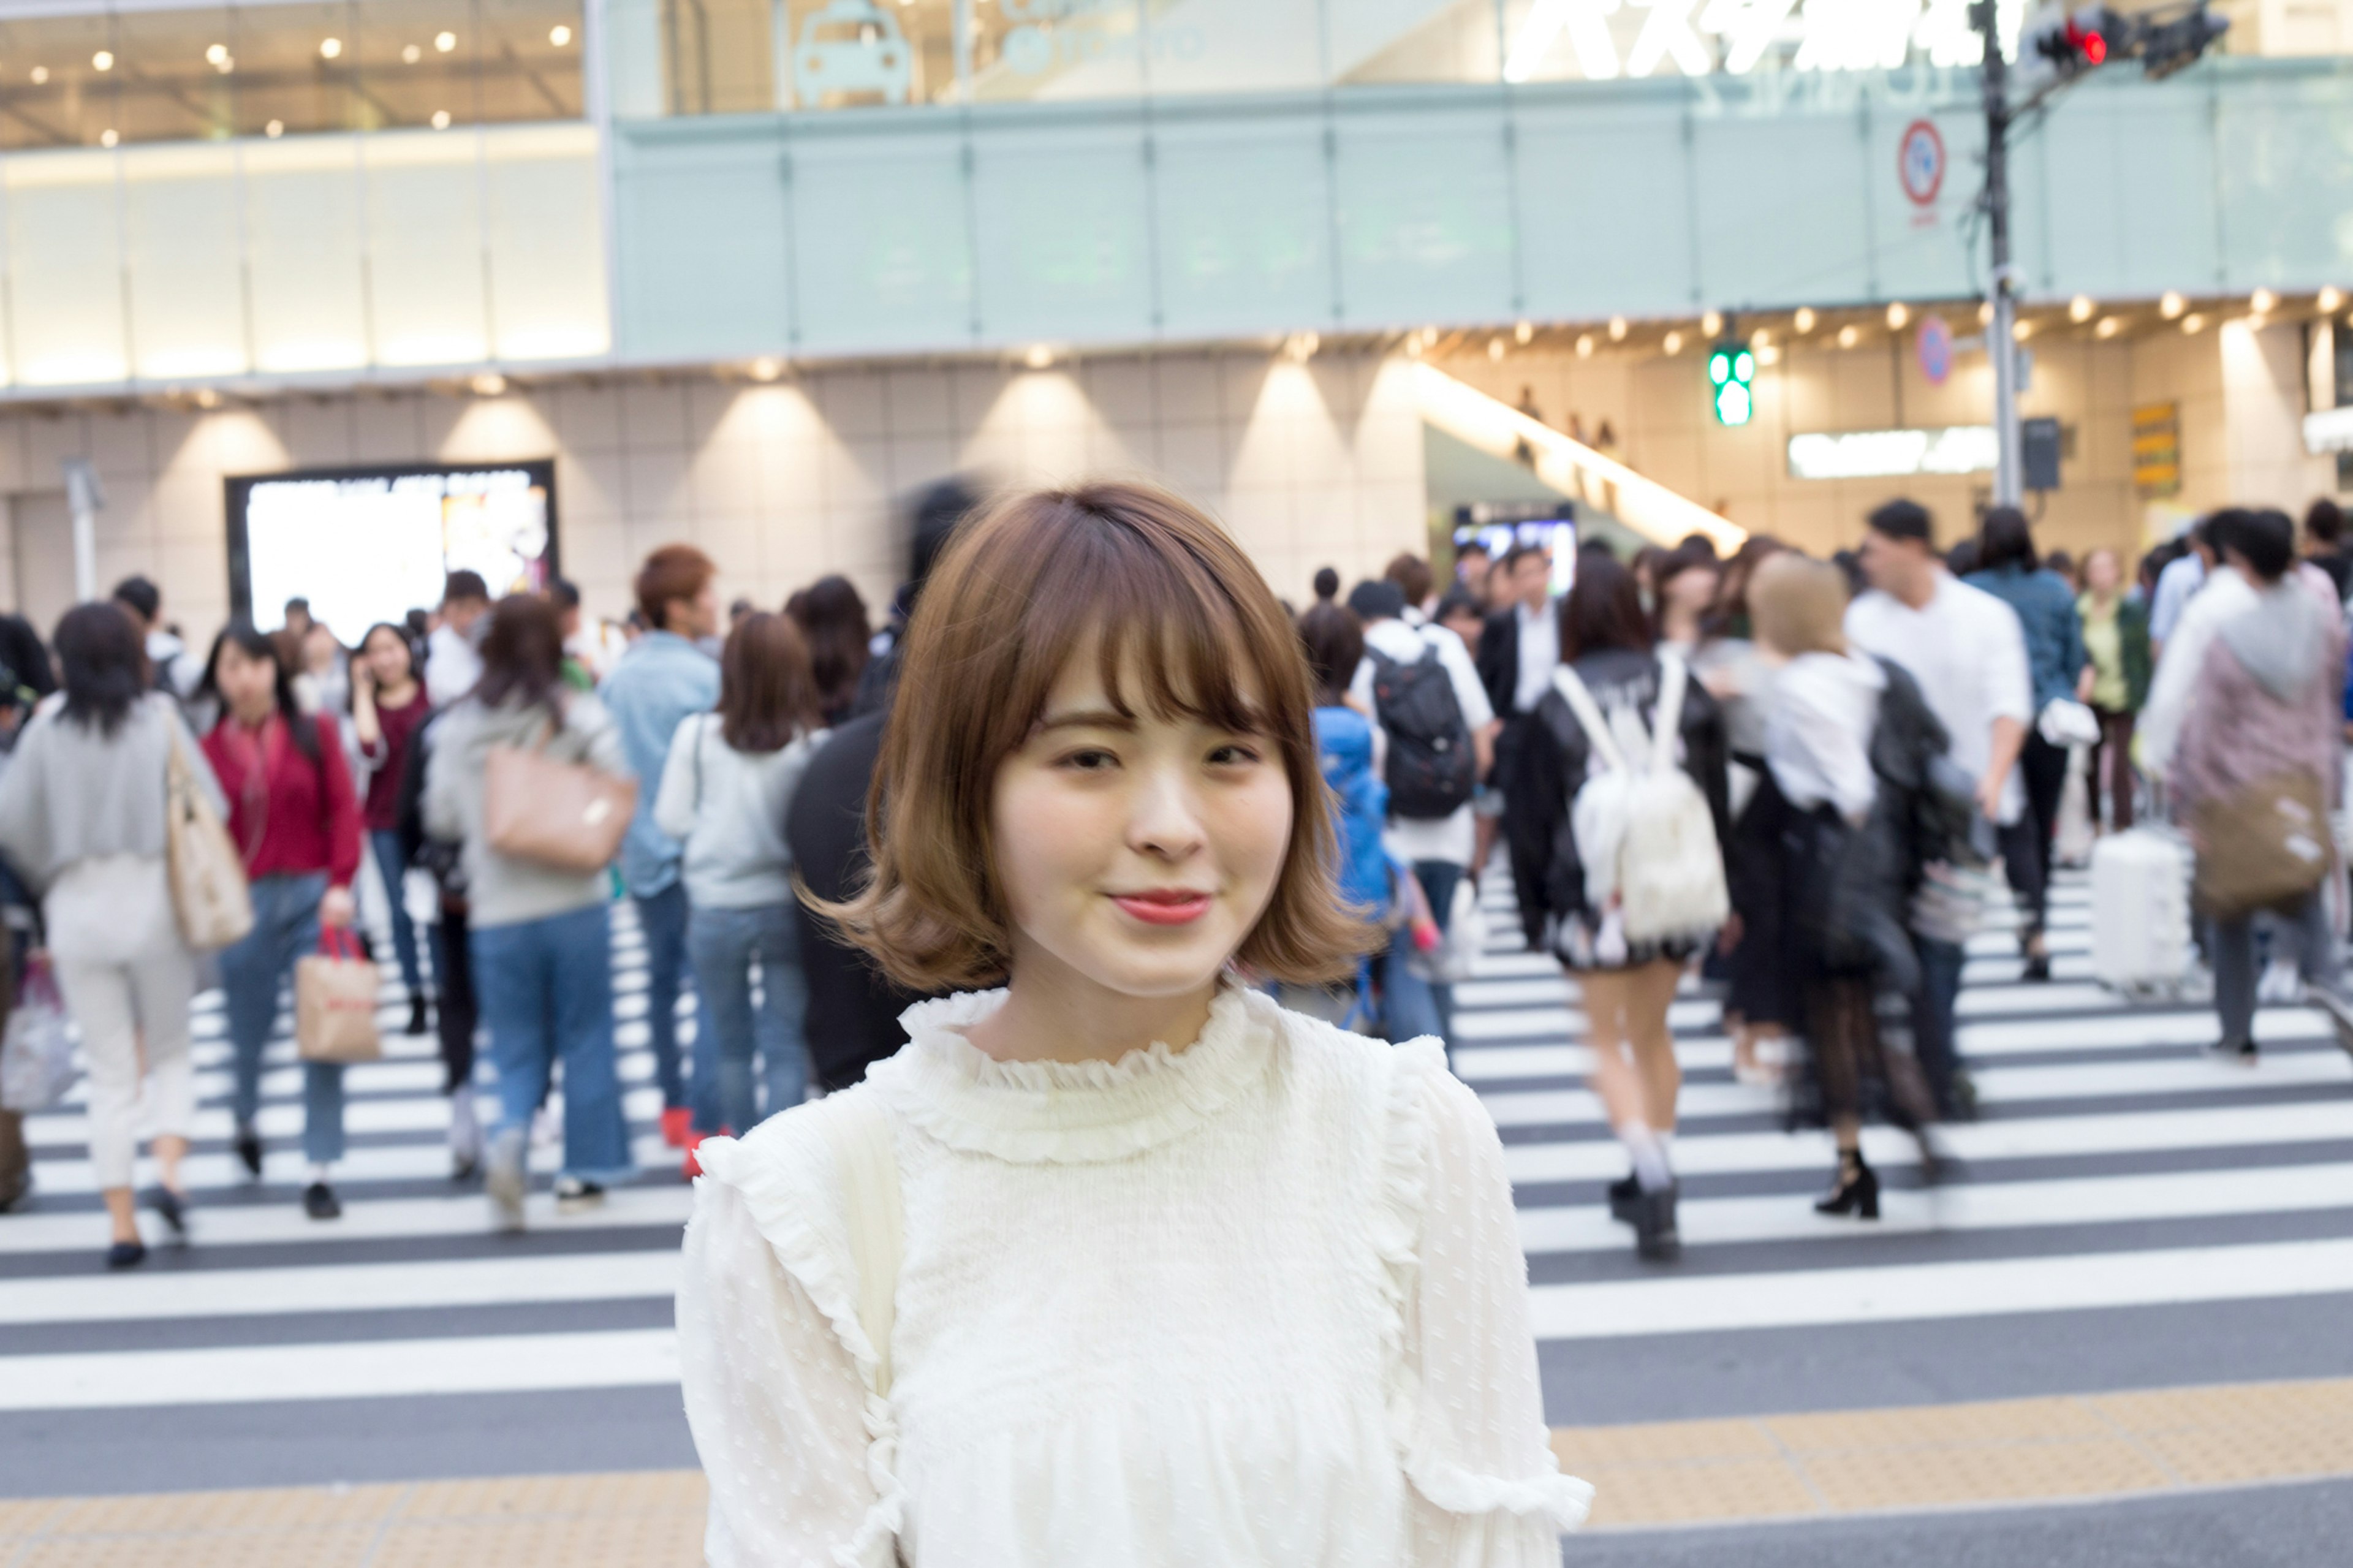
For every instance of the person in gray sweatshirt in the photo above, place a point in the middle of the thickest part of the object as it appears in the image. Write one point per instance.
(725, 789)
(541, 937)
(82, 822)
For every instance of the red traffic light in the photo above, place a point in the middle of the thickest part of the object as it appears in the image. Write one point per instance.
(2094, 47)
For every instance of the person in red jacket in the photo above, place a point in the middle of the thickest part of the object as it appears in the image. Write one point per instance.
(296, 819)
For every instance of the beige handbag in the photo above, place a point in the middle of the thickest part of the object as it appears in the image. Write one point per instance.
(2264, 846)
(564, 815)
(209, 896)
(335, 996)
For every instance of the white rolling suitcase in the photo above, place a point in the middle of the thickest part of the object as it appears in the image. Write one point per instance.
(2141, 911)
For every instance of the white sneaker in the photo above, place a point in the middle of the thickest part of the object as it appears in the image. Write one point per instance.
(2282, 982)
(506, 1179)
(546, 1128)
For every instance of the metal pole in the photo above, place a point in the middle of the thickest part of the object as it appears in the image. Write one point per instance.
(2001, 344)
(84, 499)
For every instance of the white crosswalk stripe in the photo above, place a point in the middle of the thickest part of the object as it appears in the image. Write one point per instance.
(2112, 1166)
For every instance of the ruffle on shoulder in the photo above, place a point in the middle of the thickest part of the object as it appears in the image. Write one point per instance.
(1415, 1074)
(1038, 1113)
(785, 1173)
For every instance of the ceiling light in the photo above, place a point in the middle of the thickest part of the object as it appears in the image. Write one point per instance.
(1712, 324)
(2193, 322)
(103, 60)
(2020, 330)
(1850, 335)
(445, 42)
(440, 120)
(2172, 305)
(1760, 338)
(1896, 316)
(767, 367)
(559, 35)
(40, 75)
(489, 383)
(207, 398)
(216, 53)
(1300, 347)
(2263, 302)
(1672, 342)
(107, 138)
(1585, 345)
(1495, 348)
(2109, 327)
(329, 48)
(1039, 357)
(2080, 308)
(410, 54)
(1768, 354)
(274, 129)
(2330, 299)
(1985, 313)
(1617, 329)
(1804, 320)
(1525, 332)
(226, 63)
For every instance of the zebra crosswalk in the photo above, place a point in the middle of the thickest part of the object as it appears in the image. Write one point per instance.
(2115, 1169)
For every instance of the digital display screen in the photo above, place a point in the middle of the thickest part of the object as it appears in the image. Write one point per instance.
(364, 545)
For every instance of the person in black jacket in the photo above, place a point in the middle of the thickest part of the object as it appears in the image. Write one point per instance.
(1625, 986)
(1518, 650)
(453, 965)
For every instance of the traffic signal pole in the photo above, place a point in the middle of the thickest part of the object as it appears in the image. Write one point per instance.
(2001, 341)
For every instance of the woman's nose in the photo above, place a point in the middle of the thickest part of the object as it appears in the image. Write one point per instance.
(1167, 819)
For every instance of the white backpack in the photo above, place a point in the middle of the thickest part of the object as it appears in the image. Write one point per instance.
(1645, 835)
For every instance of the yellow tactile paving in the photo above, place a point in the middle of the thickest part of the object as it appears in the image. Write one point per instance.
(1986, 1454)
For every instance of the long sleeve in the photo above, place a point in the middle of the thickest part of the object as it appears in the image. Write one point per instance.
(775, 1401)
(439, 814)
(343, 806)
(675, 805)
(1487, 1491)
(24, 809)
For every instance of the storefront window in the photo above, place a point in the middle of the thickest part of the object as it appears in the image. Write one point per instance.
(199, 72)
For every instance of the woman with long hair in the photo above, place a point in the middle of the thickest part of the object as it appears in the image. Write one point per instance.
(1116, 1259)
(82, 821)
(388, 704)
(832, 619)
(296, 820)
(1626, 985)
(724, 794)
(543, 946)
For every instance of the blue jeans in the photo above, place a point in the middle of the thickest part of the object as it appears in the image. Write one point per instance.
(1417, 1006)
(545, 987)
(724, 946)
(662, 917)
(1933, 1036)
(385, 842)
(253, 971)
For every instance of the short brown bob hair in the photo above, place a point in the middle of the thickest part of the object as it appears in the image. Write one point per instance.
(673, 571)
(1158, 594)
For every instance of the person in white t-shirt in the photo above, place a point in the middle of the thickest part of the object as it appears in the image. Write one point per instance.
(1968, 652)
(1437, 848)
(453, 662)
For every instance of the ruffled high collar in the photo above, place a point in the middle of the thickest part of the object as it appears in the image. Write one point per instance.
(1070, 1112)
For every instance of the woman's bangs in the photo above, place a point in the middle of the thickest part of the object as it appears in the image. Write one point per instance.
(1174, 635)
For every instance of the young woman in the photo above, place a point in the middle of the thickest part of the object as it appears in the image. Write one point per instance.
(1625, 986)
(1181, 1278)
(2114, 683)
(82, 820)
(1687, 582)
(724, 793)
(832, 620)
(543, 946)
(295, 815)
(388, 703)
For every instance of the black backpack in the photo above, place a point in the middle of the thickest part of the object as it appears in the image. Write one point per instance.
(1431, 766)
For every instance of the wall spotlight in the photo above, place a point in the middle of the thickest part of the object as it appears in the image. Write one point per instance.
(2080, 308)
(1850, 335)
(2172, 305)
(1585, 345)
(103, 60)
(2109, 327)
(1672, 342)
(1525, 333)
(2193, 322)
(767, 367)
(1040, 357)
(559, 35)
(2330, 299)
(1617, 329)
(1300, 347)
(1712, 324)
(1804, 320)
(1897, 315)
(329, 48)
(2263, 302)
(488, 383)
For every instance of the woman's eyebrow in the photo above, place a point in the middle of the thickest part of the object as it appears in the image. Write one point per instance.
(1087, 719)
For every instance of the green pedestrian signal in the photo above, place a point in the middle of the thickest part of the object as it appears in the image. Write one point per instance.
(1731, 367)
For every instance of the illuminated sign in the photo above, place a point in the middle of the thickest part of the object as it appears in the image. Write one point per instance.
(1892, 454)
(1699, 37)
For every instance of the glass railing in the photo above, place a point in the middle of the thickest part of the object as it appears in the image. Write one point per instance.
(83, 77)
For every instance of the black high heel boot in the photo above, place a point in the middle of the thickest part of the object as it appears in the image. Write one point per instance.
(1857, 1192)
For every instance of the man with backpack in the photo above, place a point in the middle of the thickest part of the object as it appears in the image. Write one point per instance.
(1419, 685)
(173, 669)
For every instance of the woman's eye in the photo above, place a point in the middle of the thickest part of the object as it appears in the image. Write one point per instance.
(1238, 755)
(1089, 761)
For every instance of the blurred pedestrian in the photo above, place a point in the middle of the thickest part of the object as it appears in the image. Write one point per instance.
(542, 944)
(452, 660)
(2114, 683)
(831, 616)
(388, 703)
(27, 658)
(2324, 543)
(725, 795)
(1472, 565)
(1965, 648)
(173, 669)
(82, 822)
(2179, 583)
(295, 816)
(323, 673)
(936, 512)
(665, 676)
(1685, 585)
(2044, 604)
(1412, 577)
(1459, 613)
(1348, 752)
(1327, 584)
(1517, 653)
(1626, 984)
(1144, 1204)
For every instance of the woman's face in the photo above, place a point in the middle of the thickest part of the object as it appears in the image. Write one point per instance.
(319, 649)
(1692, 590)
(249, 685)
(387, 658)
(1136, 854)
(2102, 574)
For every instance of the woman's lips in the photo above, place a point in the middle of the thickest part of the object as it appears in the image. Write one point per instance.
(1164, 906)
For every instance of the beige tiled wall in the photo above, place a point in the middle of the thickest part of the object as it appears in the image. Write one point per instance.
(1308, 464)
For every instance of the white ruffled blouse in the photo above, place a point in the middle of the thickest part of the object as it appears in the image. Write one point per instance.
(1259, 1301)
